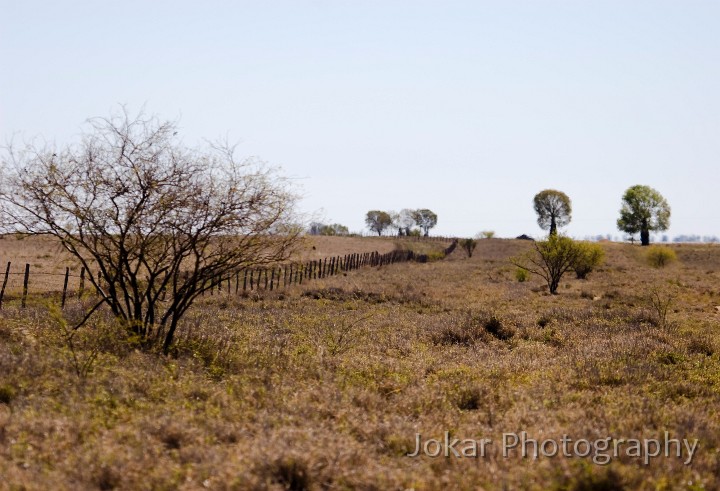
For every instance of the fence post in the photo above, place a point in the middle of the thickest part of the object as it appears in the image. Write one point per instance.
(237, 282)
(81, 290)
(25, 285)
(2, 292)
(272, 279)
(245, 280)
(65, 283)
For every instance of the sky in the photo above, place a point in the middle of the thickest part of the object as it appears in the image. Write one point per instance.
(468, 108)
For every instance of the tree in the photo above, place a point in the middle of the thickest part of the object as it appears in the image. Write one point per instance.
(405, 221)
(395, 222)
(643, 210)
(425, 219)
(160, 223)
(334, 229)
(550, 260)
(553, 209)
(377, 221)
(319, 228)
(316, 228)
(469, 246)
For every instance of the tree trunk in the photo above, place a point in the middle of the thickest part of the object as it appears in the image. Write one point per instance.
(553, 226)
(645, 237)
(553, 286)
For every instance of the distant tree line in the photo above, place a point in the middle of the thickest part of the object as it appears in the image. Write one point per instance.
(318, 228)
(406, 222)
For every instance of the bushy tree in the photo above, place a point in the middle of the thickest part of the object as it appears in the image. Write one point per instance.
(377, 221)
(553, 209)
(161, 223)
(425, 219)
(468, 246)
(643, 210)
(550, 259)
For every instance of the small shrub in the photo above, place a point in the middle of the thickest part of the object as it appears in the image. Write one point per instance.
(586, 294)
(291, 474)
(701, 346)
(497, 329)
(589, 256)
(469, 399)
(7, 393)
(468, 246)
(591, 479)
(465, 334)
(660, 302)
(435, 255)
(659, 256)
(521, 275)
(552, 338)
(487, 234)
(669, 358)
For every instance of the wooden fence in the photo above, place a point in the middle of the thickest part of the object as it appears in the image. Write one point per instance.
(249, 279)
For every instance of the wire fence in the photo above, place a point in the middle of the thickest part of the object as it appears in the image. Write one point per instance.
(19, 282)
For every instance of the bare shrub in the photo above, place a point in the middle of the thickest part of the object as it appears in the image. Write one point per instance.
(161, 223)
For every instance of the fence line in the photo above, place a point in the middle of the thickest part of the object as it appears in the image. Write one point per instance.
(258, 278)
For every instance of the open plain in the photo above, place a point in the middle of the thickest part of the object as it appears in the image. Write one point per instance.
(326, 385)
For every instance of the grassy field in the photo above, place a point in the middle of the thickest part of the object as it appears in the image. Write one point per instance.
(325, 386)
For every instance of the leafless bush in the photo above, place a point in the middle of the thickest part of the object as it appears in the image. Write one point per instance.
(160, 222)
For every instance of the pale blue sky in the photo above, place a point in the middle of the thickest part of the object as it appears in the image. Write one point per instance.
(465, 107)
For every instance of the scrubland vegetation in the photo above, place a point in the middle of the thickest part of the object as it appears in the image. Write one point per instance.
(325, 386)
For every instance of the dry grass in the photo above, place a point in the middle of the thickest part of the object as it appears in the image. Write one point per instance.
(324, 386)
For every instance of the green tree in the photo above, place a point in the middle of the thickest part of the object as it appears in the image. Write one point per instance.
(553, 209)
(469, 246)
(550, 259)
(425, 219)
(643, 210)
(377, 221)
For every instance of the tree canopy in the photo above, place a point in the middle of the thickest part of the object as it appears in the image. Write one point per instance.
(553, 209)
(425, 219)
(377, 221)
(643, 210)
